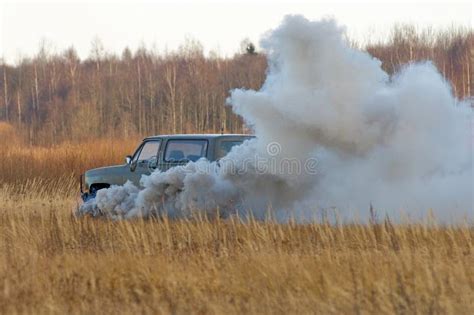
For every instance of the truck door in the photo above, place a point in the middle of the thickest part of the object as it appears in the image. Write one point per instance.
(145, 160)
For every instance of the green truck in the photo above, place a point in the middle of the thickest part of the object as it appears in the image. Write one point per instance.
(159, 153)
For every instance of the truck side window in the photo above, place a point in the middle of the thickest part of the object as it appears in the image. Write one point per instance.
(185, 150)
(148, 151)
(226, 146)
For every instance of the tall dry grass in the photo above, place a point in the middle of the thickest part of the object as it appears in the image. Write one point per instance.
(22, 165)
(52, 262)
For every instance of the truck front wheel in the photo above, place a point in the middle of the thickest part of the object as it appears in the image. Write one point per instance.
(94, 188)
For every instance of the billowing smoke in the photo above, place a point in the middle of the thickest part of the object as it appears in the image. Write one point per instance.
(333, 131)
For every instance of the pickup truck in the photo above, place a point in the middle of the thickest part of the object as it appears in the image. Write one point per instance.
(159, 153)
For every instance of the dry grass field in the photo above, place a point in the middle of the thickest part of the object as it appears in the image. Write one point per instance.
(21, 163)
(52, 262)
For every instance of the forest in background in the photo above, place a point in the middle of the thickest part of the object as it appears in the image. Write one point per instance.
(53, 97)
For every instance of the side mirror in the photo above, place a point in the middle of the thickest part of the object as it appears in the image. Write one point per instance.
(128, 159)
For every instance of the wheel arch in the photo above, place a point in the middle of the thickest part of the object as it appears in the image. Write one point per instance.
(98, 186)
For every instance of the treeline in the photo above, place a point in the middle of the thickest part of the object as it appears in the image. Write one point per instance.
(54, 97)
(452, 51)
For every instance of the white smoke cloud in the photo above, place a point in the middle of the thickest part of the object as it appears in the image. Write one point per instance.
(402, 144)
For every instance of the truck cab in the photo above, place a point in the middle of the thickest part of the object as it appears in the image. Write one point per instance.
(159, 153)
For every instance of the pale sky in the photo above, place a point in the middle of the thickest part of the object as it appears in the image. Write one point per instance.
(218, 25)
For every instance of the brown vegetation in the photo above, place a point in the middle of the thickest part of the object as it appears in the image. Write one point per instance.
(55, 97)
(21, 163)
(52, 262)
